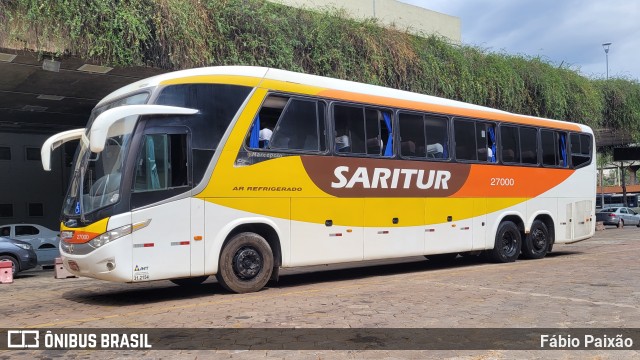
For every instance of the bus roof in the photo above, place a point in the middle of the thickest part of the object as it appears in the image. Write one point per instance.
(348, 90)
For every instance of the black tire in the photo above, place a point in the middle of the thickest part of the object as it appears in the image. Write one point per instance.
(620, 224)
(190, 282)
(15, 264)
(536, 243)
(442, 258)
(246, 263)
(507, 245)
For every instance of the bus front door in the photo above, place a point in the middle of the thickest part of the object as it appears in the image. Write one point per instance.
(162, 249)
(162, 206)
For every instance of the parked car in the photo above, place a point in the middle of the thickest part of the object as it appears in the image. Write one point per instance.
(20, 253)
(45, 241)
(618, 216)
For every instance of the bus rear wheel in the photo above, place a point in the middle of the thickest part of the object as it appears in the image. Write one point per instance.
(246, 263)
(508, 243)
(536, 243)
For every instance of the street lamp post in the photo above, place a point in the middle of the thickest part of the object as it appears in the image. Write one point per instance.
(606, 54)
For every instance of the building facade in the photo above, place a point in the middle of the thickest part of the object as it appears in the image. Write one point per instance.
(389, 13)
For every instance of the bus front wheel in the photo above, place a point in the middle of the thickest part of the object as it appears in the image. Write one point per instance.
(536, 243)
(508, 243)
(246, 263)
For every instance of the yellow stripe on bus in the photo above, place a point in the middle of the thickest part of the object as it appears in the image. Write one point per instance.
(214, 79)
(376, 212)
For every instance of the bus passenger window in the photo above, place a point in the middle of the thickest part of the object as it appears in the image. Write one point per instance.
(412, 139)
(288, 124)
(436, 131)
(486, 142)
(580, 149)
(510, 144)
(529, 145)
(465, 135)
(549, 147)
(349, 128)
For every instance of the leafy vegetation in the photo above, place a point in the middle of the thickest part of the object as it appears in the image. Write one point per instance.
(175, 34)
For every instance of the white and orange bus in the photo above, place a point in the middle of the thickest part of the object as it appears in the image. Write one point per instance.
(239, 171)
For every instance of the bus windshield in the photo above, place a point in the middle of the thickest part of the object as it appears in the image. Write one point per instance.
(95, 182)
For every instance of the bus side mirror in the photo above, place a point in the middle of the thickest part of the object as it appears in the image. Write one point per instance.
(106, 124)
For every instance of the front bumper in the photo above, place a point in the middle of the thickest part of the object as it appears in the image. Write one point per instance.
(111, 262)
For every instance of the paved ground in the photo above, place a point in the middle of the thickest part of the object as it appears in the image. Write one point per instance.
(590, 284)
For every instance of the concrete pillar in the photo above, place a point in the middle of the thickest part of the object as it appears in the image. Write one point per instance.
(633, 179)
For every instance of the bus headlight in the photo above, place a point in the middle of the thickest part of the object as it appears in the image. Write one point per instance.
(110, 236)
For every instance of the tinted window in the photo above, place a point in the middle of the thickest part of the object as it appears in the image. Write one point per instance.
(554, 148)
(362, 130)
(26, 230)
(36, 209)
(580, 149)
(549, 145)
(5, 153)
(486, 141)
(162, 163)
(510, 144)
(465, 137)
(299, 128)
(6, 210)
(437, 133)
(349, 129)
(411, 134)
(33, 154)
(217, 105)
(529, 145)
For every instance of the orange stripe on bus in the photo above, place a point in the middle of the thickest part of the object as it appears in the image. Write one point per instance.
(510, 181)
(449, 110)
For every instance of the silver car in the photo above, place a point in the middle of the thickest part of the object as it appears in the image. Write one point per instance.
(618, 216)
(45, 241)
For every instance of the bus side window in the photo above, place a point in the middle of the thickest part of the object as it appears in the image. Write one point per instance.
(580, 149)
(261, 130)
(349, 128)
(549, 147)
(465, 136)
(510, 144)
(285, 123)
(162, 163)
(436, 131)
(562, 150)
(529, 145)
(486, 142)
(301, 127)
(412, 139)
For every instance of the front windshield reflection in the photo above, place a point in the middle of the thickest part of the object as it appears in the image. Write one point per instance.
(97, 176)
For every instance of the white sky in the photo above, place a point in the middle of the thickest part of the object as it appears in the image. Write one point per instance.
(569, 31)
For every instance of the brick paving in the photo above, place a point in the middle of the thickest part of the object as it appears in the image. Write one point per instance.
(589, 284)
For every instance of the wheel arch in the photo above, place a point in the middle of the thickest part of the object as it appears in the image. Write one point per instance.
(261, 226)
(514, 217)
(547, 219)
(263, 229)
